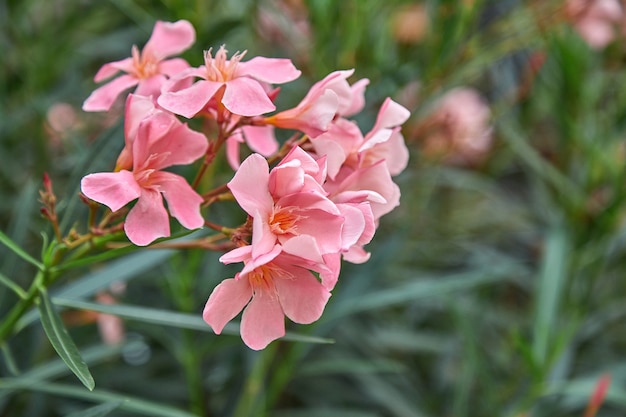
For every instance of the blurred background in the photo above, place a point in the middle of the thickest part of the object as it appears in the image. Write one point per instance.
(497, 288)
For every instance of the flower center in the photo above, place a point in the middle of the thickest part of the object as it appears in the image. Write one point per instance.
(144, 65)
(284, 221)
(262, 277)
(220, 69)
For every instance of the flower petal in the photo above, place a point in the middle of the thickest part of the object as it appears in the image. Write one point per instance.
(260, 139)
(183, 202)
(189, 101)
(245, 97)
(169, 38)
(110, 69)
(113, 189)
(262, 321)
(148, 219)
(225, 302)
(101, 99)
(269, 70)
(303, 297)
(250, 186)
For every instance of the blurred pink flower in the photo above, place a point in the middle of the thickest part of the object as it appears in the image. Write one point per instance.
(238, 86)
(267, 289)
(160, 141)
(458, 130)
(147, 69)
(595, 20)
(111, 327)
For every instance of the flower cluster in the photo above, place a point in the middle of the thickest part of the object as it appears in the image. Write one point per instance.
(310, 202)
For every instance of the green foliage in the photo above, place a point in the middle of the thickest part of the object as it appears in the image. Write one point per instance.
(495, 289)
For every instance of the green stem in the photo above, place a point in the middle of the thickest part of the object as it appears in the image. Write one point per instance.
(23, 304)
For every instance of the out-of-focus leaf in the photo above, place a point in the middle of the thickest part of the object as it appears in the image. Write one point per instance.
(61, 340)
(169, 318)
(135, 405)
(549, 290)
(97, 411)
(5, 240)
(119, 271)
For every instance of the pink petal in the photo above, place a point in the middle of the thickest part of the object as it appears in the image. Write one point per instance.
(170, 39)
(263, 240)
(269, 70)
(233, 143)
(263, 320)
(261, 139)
(358, 98)
(189, 101)
(150, 87)
(236, 255)
(148, 219)
(173, 67)
(180, 144)
(225, 302)
(246, 97)
(354, 225)
(250, 186)
(286, 179)
(137, 108)
(183, 202)
(311, 118)
(356, 255)
(303, 297)
(110, 69)
(304, 247)
(113, 189)
(103, 98)
(391, 114)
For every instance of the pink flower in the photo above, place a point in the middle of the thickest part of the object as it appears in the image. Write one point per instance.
(595, 20)
(326, 98)
(161, 141)
(459, 129)
(267, 289)
(344, 144)
(147, 69)
(238, 86)
(288, 206)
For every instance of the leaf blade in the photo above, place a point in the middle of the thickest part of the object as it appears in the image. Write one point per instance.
(62, 342)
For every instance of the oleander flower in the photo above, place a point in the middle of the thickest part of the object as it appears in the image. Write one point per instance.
(240, 87)
(595, 20)
(458, 130)
(269, 288)
(148, 69)
(325, 99)
(160, 141)
(286, 203)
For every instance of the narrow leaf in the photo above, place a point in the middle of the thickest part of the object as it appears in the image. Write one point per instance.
(61, 340)
(13, 286)
(134, 405)
(98, 410)
(548, 292)
(4, 239)
(168, 318)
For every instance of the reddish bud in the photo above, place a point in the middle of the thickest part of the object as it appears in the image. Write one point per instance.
(598, 395)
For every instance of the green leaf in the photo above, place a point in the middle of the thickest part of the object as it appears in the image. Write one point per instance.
(13, 286)
(19, 251)
(97, 411)
(121, 270)
(549, 291)
(61, 340)
(169, 318)
(134, 405)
